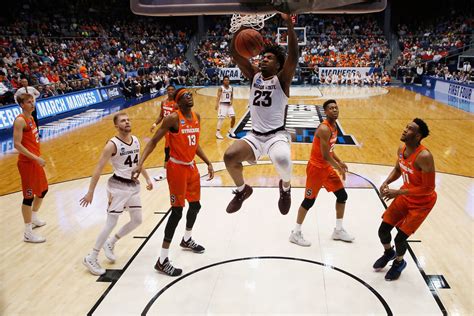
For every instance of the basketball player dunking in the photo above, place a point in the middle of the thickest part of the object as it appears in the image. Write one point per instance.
(268, 103)
(30, 165)
(321, 171)
(168, 106)
(183, 127)
(412, 202)
(224, 107)
(123, 151)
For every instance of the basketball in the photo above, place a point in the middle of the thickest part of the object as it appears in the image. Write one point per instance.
(248, 43)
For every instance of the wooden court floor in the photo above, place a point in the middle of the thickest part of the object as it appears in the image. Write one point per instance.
(32, 274)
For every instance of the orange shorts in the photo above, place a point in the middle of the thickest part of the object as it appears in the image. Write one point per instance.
(33, 178)
(408, 215)
(184, 183)
(317, 177)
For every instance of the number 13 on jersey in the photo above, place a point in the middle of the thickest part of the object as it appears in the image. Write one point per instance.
(192, 140)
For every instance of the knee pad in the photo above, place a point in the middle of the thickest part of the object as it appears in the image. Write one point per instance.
(341, 196)
(401, 237)
(191, 216)
(173, 220)
(401, 244)
(384, 233)
(28, 202)
(43, 194)
(176, 212)
(167, 153)
(307, 203)
(195, 206)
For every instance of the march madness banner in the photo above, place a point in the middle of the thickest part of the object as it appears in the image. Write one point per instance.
(326, 71)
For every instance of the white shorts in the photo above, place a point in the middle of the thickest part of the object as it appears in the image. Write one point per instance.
(225, 109)
(122, 195)
(261, 145)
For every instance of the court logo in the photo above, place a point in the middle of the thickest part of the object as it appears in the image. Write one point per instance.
(302, 120)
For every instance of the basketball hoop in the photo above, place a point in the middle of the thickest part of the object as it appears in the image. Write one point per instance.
(255, 21)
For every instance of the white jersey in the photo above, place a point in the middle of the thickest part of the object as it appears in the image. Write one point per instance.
(268, 103)
(226, 95)
(126, 158)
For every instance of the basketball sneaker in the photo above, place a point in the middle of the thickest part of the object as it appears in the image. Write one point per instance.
(37, 223)
(167, 268)
(342, 235)
(92, 264)
(219, 136)
(28, 236)
(387, 256)
(239, 198)
(284, 203)
(297, 238)
(394, 272)
(231, 134)
(192, 245)
(109, 251)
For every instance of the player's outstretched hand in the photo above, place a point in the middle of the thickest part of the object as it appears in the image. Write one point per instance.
(210, 170)
(87, 199)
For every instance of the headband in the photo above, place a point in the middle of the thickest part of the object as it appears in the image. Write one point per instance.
(179, 95)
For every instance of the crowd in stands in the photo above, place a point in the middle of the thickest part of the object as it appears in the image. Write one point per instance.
(61, 52)
(424, 47)
(332, 41)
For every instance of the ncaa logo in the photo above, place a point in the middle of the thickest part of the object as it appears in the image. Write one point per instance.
(182, 122)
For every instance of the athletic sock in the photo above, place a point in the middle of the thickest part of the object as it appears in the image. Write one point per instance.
(339, 224)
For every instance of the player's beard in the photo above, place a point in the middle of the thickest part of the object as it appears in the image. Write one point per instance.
(125, 129)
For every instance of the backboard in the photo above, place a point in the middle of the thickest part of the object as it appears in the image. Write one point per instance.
(222, 7)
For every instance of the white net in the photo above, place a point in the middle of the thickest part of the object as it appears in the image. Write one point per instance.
(255, 21)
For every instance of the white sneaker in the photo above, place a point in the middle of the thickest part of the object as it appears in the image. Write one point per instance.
(30, 237)
(109, 251)
(232, 134)
(219, 136)
(342, 235)
(37, 223)
(93, 265)
(297, 238)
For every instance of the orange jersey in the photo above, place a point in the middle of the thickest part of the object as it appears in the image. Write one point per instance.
(30, 139)
(317, 158)
(412, 177)
(168, 107)
(184, 143)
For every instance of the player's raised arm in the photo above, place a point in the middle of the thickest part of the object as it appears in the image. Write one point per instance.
(169, 122)
(289, 68)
